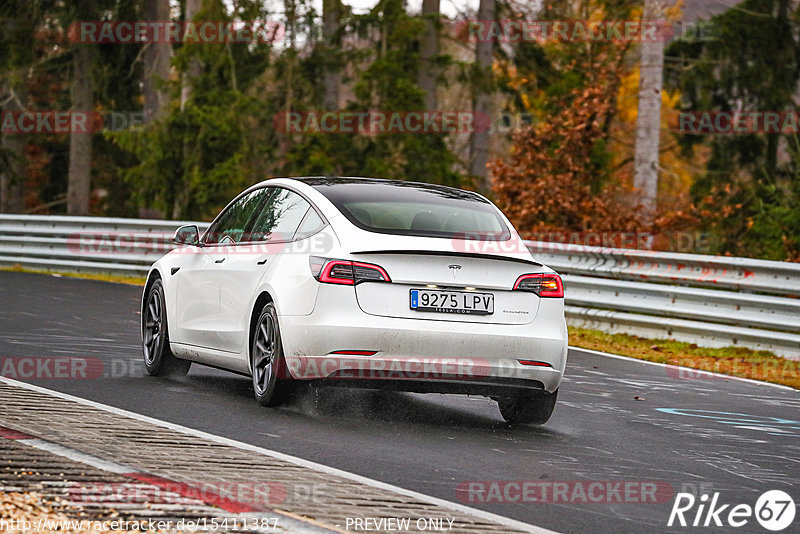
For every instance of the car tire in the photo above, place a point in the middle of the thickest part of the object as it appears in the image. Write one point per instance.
(266, 359)
(158, 358)
(530, 409)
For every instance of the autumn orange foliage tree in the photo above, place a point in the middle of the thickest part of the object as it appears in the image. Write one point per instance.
(569, 176)
(556, 179)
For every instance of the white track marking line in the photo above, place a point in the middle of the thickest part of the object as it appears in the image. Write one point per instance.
(480, 514)
(709, 373)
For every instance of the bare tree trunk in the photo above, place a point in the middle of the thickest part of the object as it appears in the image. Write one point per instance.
(192, 7)
(80, 143)
(12, 177)
(12, 167)
(13, 163)
(290, 8)
(193, 71)
(429, 51)
(648, 122)
(290, 13)
(481, 102)
(331, 13)
(156, 63)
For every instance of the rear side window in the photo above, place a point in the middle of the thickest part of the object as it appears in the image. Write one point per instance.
(312, 223)
(408, 208)
(280, 217)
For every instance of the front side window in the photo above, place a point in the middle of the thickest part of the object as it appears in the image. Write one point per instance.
(234, 223)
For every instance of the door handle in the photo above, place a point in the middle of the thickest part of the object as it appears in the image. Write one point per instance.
(262, 262)
(219, 260)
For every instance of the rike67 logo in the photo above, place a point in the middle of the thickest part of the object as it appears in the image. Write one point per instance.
(774, 510)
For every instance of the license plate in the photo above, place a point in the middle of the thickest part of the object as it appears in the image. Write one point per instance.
(459, 302)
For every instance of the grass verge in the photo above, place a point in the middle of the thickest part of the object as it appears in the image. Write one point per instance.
(734, 361)
(119, 279)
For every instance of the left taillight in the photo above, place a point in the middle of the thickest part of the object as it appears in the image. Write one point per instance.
(345, 272)
(543, 284)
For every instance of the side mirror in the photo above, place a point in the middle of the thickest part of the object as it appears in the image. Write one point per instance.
(187, 235)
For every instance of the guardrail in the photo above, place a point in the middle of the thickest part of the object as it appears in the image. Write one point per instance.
(708, 300)
(713, 301)
(85, 244)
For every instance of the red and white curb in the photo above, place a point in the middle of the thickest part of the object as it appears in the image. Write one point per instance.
(297, 524)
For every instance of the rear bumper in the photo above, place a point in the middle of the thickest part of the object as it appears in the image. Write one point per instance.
(423, 355)
(489, 387)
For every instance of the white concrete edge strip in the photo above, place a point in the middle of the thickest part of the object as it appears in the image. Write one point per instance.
(480, 514)
(705, 373)
(78, 456)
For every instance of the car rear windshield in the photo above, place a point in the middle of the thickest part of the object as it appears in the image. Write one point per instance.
(415, 209)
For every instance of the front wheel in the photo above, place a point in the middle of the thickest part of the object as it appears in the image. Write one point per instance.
(158, 358)
(532, 409)
(266, 359)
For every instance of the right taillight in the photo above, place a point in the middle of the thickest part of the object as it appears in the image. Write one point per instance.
(543, 284)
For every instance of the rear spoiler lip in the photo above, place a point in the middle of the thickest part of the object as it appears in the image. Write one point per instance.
(452, 254)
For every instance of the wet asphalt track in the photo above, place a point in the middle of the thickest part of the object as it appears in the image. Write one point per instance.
(682, 433)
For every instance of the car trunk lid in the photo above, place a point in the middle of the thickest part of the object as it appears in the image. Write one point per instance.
(468, 277)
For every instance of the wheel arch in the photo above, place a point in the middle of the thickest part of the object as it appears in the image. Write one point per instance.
(263, 298)
(152, 276)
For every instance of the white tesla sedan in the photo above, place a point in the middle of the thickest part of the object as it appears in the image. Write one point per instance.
(361, 282)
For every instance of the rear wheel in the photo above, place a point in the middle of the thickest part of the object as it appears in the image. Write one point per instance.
(158, 358)
(266, 359)
(530, 409)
